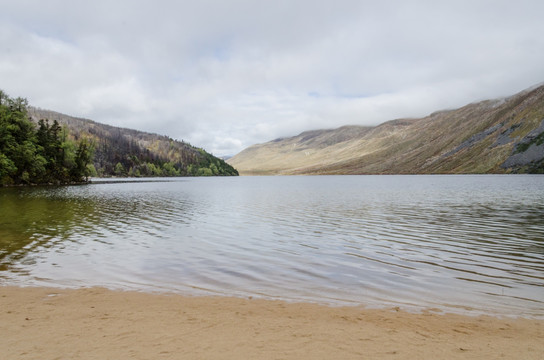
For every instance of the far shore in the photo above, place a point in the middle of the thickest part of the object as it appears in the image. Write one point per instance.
(95, 323)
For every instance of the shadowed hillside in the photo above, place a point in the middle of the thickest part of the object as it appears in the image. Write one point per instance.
(492, 136)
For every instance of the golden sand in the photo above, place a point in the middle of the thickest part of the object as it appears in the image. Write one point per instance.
(43, 323)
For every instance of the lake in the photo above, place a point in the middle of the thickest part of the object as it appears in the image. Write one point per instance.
(468, 244)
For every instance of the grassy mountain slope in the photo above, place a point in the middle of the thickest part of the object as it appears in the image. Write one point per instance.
(127, 152)
(493, 136)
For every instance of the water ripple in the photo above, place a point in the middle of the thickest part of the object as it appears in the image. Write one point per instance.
(471, 242)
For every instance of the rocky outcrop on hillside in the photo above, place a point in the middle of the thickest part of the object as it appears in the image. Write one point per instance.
(528, 152)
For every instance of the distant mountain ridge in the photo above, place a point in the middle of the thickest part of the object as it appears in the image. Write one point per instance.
(128, 152)
(492, 136)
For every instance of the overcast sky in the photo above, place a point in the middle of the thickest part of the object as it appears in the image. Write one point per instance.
(224, 74)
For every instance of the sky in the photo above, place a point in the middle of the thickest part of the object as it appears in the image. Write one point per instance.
(227, 74)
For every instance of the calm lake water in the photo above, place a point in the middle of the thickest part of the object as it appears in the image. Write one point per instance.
(470, 244)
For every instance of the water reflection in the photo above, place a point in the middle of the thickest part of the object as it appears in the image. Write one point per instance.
(30, 221)
(425, 241)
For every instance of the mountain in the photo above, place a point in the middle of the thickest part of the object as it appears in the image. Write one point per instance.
(127, 152)
(493, 136)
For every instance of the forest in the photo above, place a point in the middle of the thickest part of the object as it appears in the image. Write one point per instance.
(31, 154)
(44, 147)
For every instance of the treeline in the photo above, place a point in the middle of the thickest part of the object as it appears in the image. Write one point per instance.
(31, 154)
(75, 148)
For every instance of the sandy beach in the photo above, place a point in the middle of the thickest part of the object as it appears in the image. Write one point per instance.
(95, 323)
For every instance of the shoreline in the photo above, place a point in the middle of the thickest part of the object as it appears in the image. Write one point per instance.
(96, 323)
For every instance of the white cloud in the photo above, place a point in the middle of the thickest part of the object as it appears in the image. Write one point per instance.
(226, 74)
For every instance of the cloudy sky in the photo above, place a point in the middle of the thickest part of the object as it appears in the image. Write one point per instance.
(226, 74)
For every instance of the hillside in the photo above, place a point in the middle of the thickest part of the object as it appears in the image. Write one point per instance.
(492, 136)
(127, 152)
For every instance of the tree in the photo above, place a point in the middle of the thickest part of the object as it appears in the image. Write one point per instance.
(30, 155)
(170, 170)
(7, 169)
(19, 162)
(84, 156)
(120, 169)
(92, 170)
